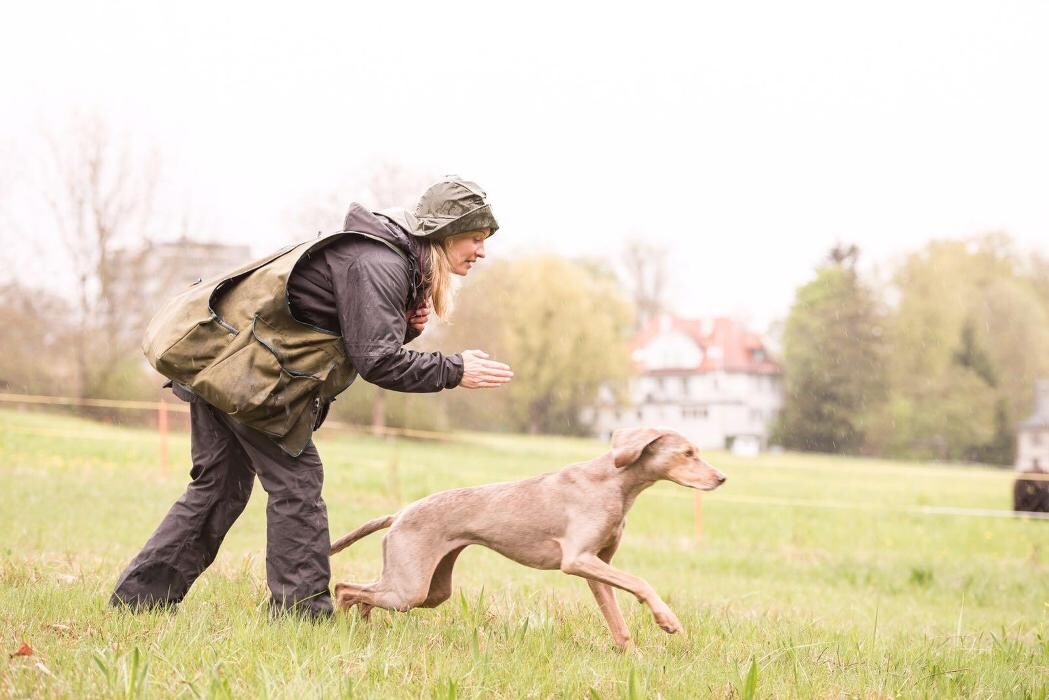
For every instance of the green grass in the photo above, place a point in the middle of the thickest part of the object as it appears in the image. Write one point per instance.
(778, 599)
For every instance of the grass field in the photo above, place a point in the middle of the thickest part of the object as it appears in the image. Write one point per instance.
(853, 592)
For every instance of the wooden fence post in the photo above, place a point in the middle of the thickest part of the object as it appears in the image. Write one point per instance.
(162, 428)
(699, 516)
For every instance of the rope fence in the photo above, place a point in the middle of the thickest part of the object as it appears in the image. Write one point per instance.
(163, 408)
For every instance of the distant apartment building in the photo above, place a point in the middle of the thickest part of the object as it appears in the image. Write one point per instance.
(1031, 490)
(143, 278)
(1032, 436)
(163, 269)
(710, 379)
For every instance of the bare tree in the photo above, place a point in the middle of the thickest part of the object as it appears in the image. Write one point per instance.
(386, 184)
(101, 197)
(391, 185)
(645, 264)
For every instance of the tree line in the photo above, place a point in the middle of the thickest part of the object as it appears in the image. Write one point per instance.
(937, 360)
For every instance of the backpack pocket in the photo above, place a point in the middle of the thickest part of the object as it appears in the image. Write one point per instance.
(255, 384)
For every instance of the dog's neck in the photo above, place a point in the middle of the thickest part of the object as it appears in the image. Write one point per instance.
(633, 479)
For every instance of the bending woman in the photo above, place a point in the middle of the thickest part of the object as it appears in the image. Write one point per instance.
(290, 332)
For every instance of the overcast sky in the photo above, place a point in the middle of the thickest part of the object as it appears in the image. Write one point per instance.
(746, 137)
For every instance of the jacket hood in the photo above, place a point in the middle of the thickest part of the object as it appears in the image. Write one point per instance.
(378, 224)
(387, 226)
(448, 207)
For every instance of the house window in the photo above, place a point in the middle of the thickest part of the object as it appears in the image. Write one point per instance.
(684, 386)
(694, 412)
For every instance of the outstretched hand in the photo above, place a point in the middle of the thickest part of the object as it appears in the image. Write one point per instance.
(481, 373)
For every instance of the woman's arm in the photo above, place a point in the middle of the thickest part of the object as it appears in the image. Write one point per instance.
(370, 297)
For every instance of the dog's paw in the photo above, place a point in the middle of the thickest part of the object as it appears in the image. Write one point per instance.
(343, 597)
(628, 647)
(668, 622)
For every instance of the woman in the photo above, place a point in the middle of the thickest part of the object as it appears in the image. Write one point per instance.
(261, 352)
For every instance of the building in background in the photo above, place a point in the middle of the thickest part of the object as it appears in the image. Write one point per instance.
(143, 278)
(710, 379)
(1032, 456)
(1032, 436)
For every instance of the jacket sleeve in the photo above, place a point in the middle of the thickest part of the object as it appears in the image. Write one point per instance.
(411, 334)
(371, 294)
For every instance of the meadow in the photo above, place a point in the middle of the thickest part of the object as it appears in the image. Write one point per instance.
(815, 576)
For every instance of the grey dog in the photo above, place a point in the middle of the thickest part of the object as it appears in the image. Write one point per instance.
(571, 519)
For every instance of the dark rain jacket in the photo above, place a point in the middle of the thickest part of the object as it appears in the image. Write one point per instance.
(272, 343)
(359, 287)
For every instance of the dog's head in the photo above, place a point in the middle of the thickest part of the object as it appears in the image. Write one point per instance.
(666, 454)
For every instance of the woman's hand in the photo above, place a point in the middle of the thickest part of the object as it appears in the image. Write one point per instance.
(481, 373)
(418, 316)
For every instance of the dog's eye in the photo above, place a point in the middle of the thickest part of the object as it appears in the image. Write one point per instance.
(690, 453)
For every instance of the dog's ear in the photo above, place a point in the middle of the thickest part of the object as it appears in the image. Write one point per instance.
(629, 443)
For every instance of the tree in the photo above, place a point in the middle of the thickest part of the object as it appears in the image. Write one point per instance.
(645, 265)
(101, 197)
(390, 185)
(834, 356)
(969, 331)
(561, 325)
(386, 184)
(35, 333)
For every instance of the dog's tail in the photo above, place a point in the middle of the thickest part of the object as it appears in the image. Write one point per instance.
(363, 531)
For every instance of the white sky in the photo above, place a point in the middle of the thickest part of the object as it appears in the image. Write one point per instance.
(746, 137)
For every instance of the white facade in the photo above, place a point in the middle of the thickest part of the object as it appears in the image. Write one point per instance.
(1032, 437)
(683, 384)
(711, 409)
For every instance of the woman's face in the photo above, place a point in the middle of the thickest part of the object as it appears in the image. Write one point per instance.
(464, 249)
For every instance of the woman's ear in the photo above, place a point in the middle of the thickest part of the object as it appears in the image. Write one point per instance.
(629, 443)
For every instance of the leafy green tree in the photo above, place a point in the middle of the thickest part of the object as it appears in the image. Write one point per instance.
(834, 356)
(562, 327)
(969, 336)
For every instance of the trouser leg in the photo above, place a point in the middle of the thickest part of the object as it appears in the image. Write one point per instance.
(188, 538)
(297, 541)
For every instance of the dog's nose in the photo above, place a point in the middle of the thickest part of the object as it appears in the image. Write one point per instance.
(720, 477)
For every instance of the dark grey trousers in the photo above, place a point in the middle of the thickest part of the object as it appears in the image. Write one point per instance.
(226, 458)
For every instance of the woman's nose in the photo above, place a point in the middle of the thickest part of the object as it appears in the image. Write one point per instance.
(480, 249)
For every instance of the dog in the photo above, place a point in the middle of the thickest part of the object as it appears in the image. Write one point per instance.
(571, 519)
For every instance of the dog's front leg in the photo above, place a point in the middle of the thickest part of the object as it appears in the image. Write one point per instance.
(606, 600)
(589, 566)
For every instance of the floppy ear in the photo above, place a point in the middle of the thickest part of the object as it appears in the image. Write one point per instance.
(629, 443)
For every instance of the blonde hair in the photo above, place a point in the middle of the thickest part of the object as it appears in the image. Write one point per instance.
(438, 278)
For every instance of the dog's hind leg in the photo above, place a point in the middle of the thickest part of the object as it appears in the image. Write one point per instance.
(441, 582)
(409, 562)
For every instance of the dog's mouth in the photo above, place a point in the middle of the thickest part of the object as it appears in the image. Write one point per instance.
(709, 483)
(701, 484)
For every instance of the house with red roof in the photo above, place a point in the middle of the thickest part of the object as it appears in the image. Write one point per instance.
(710, 379)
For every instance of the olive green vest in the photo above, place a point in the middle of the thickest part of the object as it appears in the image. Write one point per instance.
(232, 340)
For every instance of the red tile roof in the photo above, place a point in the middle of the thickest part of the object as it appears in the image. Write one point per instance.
(740, 349)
